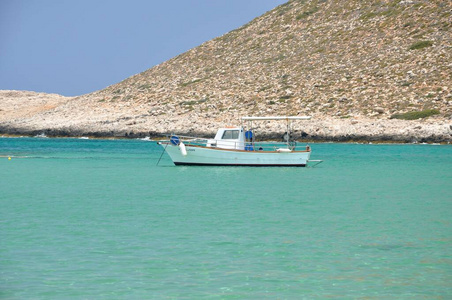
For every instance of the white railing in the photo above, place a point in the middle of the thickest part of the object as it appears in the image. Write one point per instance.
(230, 144)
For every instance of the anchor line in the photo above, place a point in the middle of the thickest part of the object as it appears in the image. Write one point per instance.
(164, 149)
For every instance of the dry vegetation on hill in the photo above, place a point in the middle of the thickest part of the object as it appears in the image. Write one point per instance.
(347, 63)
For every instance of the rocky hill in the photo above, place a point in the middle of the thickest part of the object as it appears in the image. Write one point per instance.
(352, 65)
(25, 105)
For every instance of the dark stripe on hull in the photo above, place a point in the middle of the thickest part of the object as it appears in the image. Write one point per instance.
(237, 165)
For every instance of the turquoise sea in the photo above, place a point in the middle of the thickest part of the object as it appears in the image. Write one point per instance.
(97, 219)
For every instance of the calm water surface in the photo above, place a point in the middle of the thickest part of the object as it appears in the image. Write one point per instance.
(97, 219)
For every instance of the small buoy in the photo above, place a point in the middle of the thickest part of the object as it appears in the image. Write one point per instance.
(182, 148)
(9, 157)
(175, 140)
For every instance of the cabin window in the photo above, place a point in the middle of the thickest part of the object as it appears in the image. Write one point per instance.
(230, 135)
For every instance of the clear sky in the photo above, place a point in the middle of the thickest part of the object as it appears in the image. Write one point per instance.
(74, 47)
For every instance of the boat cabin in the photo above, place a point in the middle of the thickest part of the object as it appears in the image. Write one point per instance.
(228, 138)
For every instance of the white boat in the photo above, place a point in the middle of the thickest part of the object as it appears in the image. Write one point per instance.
(236, 146)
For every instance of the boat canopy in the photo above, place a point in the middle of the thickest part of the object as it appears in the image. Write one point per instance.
(287, 118)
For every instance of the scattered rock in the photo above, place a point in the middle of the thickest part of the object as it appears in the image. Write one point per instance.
(379, 110)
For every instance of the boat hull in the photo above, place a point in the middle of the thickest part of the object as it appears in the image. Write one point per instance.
(238, 165)
(206, 156)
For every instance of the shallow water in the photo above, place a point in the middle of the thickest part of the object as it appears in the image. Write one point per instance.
(97, 219)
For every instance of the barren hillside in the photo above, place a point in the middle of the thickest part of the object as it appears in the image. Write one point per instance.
(347, 63)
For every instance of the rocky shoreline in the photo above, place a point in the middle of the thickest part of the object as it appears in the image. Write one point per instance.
(30, 114)
(349, 131)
